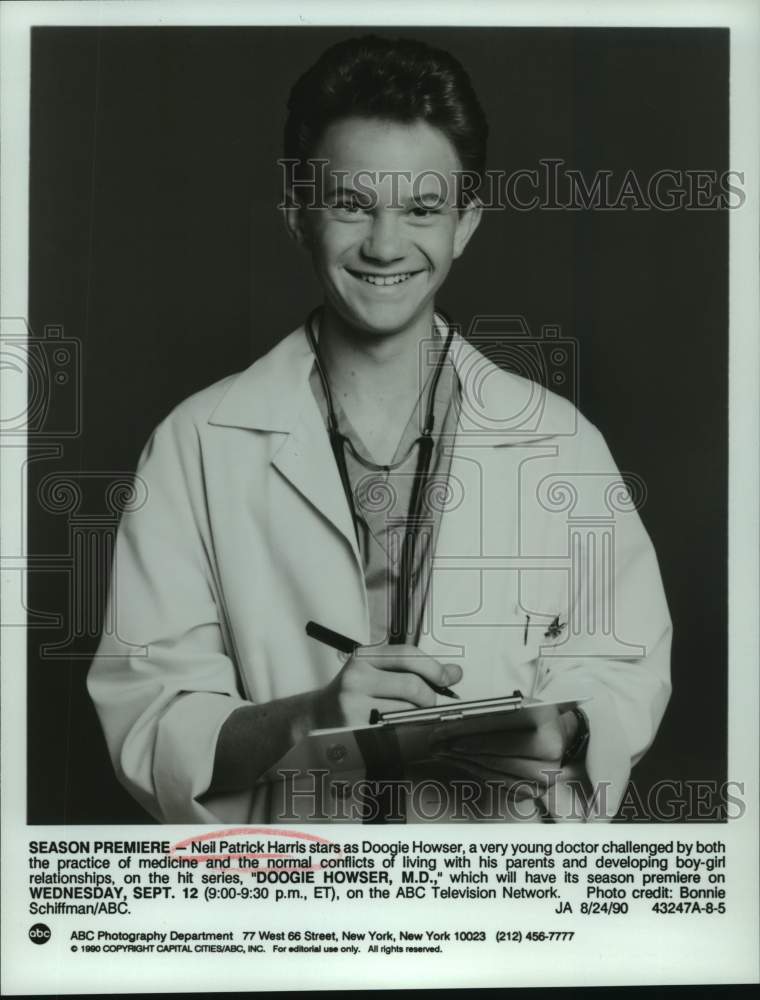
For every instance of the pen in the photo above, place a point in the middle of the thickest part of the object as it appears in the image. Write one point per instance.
(345, 645)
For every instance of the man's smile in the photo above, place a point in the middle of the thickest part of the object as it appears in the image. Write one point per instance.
(380, 279)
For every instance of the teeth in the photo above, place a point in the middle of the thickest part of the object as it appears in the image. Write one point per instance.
(379, 279)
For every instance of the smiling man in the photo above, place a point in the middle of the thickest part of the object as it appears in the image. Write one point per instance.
(389, 226)
(382, 242)
(376, 474)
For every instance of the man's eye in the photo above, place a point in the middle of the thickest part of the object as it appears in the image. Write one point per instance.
(352, 206)
(424, 211)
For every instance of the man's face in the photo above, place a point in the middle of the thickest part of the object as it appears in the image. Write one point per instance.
(388, 228)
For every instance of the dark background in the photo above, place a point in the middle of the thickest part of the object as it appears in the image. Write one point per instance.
(155, 241)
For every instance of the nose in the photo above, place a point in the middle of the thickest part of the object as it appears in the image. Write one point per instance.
(383, 243)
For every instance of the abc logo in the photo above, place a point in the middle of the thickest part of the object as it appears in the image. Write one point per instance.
(39, 933)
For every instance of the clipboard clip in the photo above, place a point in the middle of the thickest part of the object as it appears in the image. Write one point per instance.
(454, 716)
(438, 713)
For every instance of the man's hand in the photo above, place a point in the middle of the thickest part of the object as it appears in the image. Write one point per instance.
(527, 760)
(387, 678)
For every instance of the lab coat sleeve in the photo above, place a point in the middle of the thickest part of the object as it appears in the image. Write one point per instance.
(162, 680)
(628, 691)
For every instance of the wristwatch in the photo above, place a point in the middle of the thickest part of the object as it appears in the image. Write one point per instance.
(577, 748)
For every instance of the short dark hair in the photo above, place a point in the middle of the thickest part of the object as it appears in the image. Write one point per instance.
(396, 79)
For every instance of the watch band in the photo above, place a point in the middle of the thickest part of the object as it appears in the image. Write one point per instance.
(578, 747)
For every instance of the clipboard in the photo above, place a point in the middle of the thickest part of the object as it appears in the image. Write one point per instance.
(409, 736)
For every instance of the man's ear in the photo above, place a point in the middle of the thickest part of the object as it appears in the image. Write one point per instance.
(295, 222)
(467, 223)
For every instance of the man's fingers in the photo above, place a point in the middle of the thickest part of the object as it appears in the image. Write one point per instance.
(409, 659)
(517, 767)
(523, 778)
(515, 785)
(389, 705)
(406, 687)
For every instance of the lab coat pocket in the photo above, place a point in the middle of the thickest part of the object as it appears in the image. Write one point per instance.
(520, 651)
(536, 654)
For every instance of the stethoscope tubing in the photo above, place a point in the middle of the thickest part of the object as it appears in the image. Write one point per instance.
(400, 605)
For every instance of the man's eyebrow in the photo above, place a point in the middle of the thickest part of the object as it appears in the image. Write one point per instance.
(424, 198)
(338, 190)
(428, 198)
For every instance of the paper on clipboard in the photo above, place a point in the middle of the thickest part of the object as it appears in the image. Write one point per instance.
(410, 740)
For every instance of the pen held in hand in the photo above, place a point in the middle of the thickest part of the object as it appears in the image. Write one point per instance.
(345, 645)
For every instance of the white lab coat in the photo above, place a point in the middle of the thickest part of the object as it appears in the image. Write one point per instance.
(245, 535)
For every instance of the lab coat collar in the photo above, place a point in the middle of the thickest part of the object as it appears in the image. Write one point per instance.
(498, 407)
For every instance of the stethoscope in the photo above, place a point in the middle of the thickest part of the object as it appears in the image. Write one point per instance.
(338, 442)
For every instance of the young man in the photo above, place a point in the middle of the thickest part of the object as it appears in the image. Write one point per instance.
(376, 474)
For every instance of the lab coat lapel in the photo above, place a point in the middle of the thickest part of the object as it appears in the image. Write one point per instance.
(306, 460)
(274, 396)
